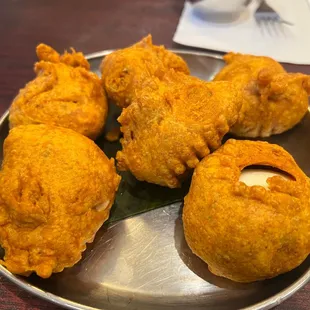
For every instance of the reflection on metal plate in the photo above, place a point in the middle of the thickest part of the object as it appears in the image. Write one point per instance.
(144, 263)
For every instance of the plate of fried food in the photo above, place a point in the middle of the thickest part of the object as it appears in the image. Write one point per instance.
(146, 178)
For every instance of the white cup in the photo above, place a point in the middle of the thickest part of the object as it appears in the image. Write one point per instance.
(219, 10)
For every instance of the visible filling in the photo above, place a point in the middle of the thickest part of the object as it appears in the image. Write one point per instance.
(258, 175)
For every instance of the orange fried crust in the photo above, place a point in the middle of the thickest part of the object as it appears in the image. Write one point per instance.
(248, 233)
(172, 124)
(56, 190)
(64, 93)
(275, 100)
(125, 71)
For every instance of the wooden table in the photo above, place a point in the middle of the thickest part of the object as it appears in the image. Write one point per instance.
(88, 26)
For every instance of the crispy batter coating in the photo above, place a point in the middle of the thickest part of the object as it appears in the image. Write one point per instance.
(126, 71)
(248, 233)
(169, 59)
(57, 188)
(64, 93)
(174, 123)
(274, 100)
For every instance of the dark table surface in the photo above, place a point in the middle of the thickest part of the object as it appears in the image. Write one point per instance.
(89, 26)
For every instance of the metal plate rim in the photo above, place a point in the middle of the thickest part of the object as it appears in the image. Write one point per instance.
(19, 281)
(179, 51)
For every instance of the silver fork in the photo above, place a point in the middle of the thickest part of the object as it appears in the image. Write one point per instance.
(264, 12)
(267, 19)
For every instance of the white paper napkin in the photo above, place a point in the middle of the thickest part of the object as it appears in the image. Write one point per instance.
(291, 44)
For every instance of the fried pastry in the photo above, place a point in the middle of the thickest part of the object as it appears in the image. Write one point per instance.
(127, 70)
(274, 100)
(172, 124)
(248, 233)
(64, 93)
(57, 189)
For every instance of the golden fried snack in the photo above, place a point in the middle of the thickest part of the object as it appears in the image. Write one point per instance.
(274, 100)
(64, 93)
(169, 59)
(56, 190)
(170, 126)
(248, 233)
(125, 71)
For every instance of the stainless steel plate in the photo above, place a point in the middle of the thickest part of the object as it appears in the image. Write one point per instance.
(143, 263)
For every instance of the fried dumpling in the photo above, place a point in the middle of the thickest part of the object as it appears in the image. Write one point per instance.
(274, 100)
(172, 124)
(248, 233)
(56, 190)
(128, 70)
(64, 93)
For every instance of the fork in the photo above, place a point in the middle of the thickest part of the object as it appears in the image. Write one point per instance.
(265, 13)
(268, 20)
